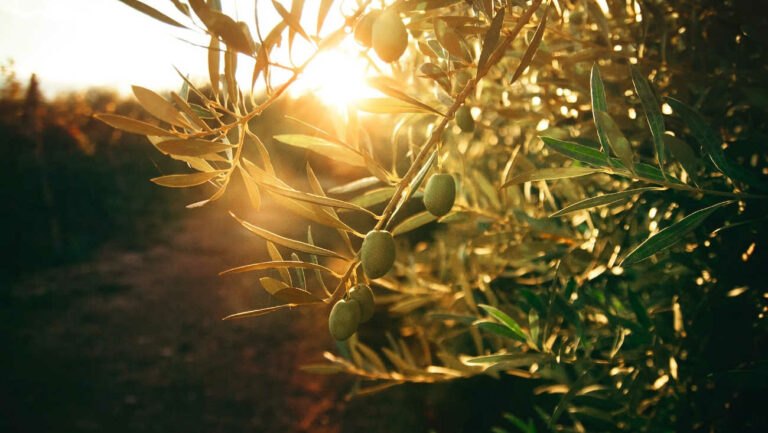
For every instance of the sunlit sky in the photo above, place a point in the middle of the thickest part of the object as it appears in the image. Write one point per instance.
(74, 44)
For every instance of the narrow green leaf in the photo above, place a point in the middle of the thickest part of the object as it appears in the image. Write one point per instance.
(258, 312)
(413, 222)
(491, 39)
(670, 235)
(616, 139)
(374, 196)
(299, 272)
(498, 329)
(652, 113)
(289, 243)
(277, 265)
(152, 12)
(415, 183)
(384, 85)
(389, 106)
(317, 199)
(597, 92)
(355, 185)
(707, 137)
(532, 49)
(505, 319)
(683, 153)
(185, 180)
(576, 151)
(551, 174)
(601, 200)
(323, 147)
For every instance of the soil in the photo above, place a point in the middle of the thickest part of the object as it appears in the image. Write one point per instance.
(134, 341)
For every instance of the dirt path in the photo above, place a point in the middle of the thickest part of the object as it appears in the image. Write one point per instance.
(133, 341)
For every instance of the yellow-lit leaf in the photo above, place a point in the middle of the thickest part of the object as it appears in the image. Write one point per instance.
(389, 106)
(323, 147)
(185, 180)
(289, 243)
(159, 107)
(278, 265)
(191, 147)
(131, 125)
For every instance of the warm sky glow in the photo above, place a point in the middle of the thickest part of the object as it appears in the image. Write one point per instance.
(75, 44)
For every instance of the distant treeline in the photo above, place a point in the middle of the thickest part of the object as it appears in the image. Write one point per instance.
(69, 182)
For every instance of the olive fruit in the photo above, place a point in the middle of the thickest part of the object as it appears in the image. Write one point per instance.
(389, 36)
(364, 28)
(439, 194)
(464, 119)
(364, 297)
(377, 253)
(344, 318)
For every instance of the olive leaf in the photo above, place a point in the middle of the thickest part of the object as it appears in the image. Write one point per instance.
(290, 19)
(277, 257)
(670, 235)
(130, 125)
(323, 147)
(505, 319)
(152, 12)
(616, 139)
(374, 196)
(551, 174)
(491, 39)
(704, 134)
(414, 184)
(652, 113)
(602, 200)
(191, 147)
(390, 106)
(413, 222)
(384, 85)
(278, 265)
(185, 180)
(355, 185)
(322, 12)
(498, 329)
(317, 199)
(597, 93)
(532, 49)
(258, 312)
(289, 243)
(576, 151)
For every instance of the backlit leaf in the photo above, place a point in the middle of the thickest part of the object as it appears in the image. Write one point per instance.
(597, 93)
(616, 139)
(154, 13)
(505, 319)
(278, 265)
(576, 151)
(602, 200)
(389, 106)
(413, 222)
(551, 174)
(491, 39)
(384, 85)
(533, 47)
(652, 113)
(191, 147)
(185, 180)
(289, 243)
(158, 106)
(131, 125)
(323, 147)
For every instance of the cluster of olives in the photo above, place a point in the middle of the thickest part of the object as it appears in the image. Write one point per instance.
(385, 32)
(377, 255)
(346, 315)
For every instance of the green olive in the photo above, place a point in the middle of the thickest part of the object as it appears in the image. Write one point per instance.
(344, 318)
(364, 28)
(364, 297)
(464, 119)
(389, 36)
(439, 194)
(377, 253)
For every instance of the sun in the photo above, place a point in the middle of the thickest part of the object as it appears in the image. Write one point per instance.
(336, 76)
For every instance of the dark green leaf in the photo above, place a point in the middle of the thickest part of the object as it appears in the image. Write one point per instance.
(505, 319)
(579, 152)
(652, 113)
(491, 39)
(498, 329)
(670, 235)
(601, 200)
(597, 92)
